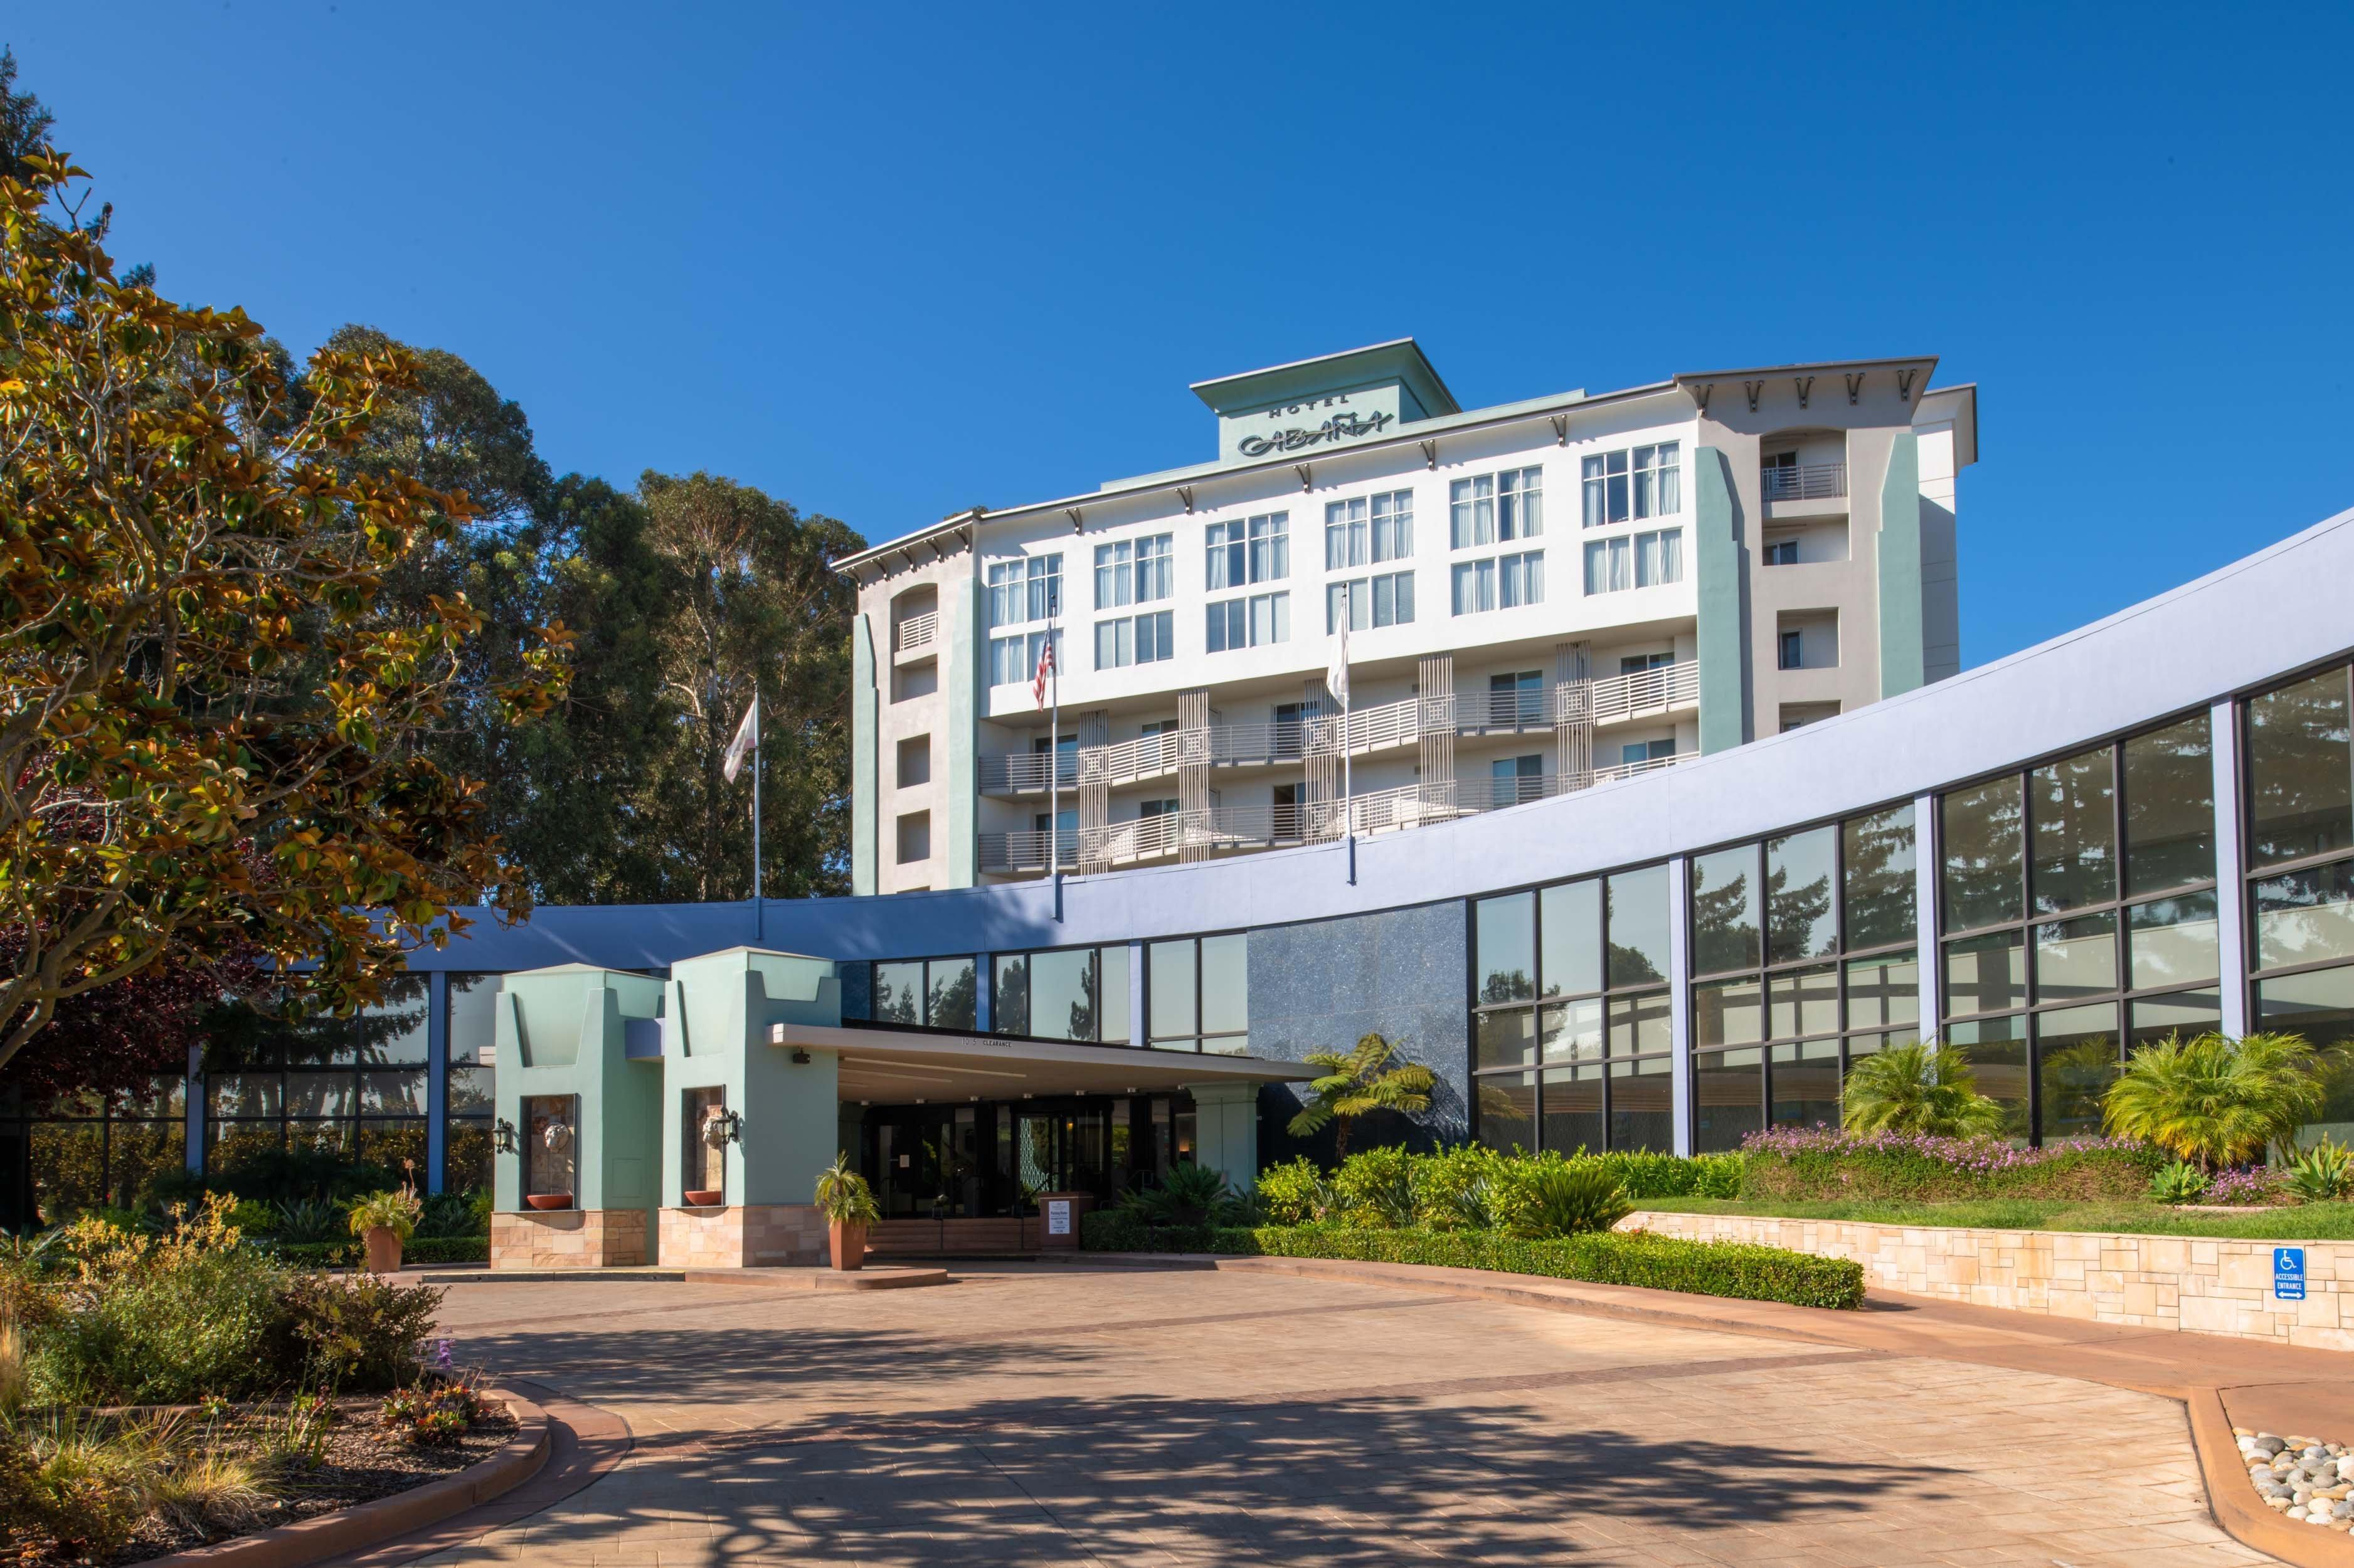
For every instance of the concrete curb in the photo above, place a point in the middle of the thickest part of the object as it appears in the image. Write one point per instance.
(367, 1524)
(2237, 1507)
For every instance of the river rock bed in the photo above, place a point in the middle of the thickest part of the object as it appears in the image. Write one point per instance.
(2304, 1477)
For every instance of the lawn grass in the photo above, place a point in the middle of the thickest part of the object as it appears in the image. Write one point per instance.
(2308, 1221)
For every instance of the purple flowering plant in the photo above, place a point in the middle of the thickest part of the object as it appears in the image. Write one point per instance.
(1823, 1162)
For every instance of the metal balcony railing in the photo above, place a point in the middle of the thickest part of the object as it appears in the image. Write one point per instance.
(1532, 708)
(1807, 482)
(1629, 769)
(916, 632)
(1021, 772)
(1495, 794)
(1662, 687)
(1026, 850)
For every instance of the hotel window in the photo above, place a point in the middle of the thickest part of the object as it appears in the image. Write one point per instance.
(1014, 658)
(1136, 639)
(1504, 582)
(1134, 571)
(468, 1092)
(1635, 561)
(1069, 994)
(1368, 529)
(352, 1086)
(2300, 826)
(87, 1151)
(1250, 622)
(1027, 589)
(1626, 486)
(1494, 507)
(924, 993)
(1197, 994)
(1249, 550)
(1804, 958)
(2080, 916)
(1387, 600)
(1570, 1016)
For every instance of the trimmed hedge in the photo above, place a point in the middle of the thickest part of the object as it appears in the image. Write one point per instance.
(420, 1249)
(1734, 1269)
(1817, 1164)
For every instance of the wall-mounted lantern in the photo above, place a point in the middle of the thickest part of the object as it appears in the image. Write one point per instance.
(723, 1128)
(503, 1136)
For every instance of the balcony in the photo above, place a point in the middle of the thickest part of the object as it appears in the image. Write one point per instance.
(916, 632)
(1025, 851)
(1646, 694)
(1807, 482)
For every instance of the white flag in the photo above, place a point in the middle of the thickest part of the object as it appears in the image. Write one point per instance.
(1336, 674)
(747, 735)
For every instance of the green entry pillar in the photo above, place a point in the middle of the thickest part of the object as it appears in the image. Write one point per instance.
(1225, 1131)
(578, 1072)
(747, 1123)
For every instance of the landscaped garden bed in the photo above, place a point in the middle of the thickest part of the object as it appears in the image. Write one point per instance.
(2304, 1479)
(2332, 1220)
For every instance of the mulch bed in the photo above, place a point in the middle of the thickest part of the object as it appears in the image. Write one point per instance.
(362, 1462)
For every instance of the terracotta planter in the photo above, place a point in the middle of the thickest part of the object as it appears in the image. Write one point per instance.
(383, 1249)
(550, 1199)
(849, 1244)
(703, 1197)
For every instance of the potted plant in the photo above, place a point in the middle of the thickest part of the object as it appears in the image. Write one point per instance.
(385, 1221)
(849, 1207)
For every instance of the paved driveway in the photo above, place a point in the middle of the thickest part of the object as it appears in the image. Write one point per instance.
(1062, 1415)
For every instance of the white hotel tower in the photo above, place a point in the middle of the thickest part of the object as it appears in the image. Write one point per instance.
(1543, 597)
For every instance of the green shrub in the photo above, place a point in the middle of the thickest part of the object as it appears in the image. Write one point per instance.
(395, 1209)
(2217, 1101)
(1569, 1199)
(1377, 1188)
(356, 1330)
(1455, 1189)
(1189, 1195)
(303, 1221)
(2321, 1171)
(165, 1328)
(1815, 1164)
(1287, 1193)
(1924, 1088)
(455, 1214)
(2180, 1183)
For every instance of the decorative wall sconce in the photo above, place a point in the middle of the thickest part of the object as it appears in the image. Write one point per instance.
(801, 1057)
(502, 1136)
(723, 1128)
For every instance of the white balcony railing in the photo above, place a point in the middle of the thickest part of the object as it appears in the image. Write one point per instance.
(1025, 849)
(916, 632)
(1629, 769)
(1655, 689)
(1807, 482)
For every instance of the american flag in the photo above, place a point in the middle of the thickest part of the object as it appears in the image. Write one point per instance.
(1046, 668)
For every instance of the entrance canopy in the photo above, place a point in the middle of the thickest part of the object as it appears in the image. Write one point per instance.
(896, 1065)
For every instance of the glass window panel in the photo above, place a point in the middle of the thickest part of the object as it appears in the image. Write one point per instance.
(1728, 1098)
(1572, 1108)
(2186, 1013)
(1506, 929)
(1508, 1111)
(392, 1093)
(1997, 1049)
(1724, 910)
(1225, 984)
(2172, 941)
(470, 1090)
(244, 1094)
(1572, 1032)
(1639, 1024)
(391, 1031)
(1642, 1105)
(1636, 903)
(551, 1144)
(1986, 974)
(2305, 917)
(1062, 994)
(230, 1144)
(1884, 992)
(1881, 890)
(1169, 988)
(1729, 1012)
(949, 1004)
(319, 1094)
(898, 993)
(1805, 1085)
(69, 1168)
(2169, 807)
(139, 1151)
(2072, 813)
(1569, 924)
(1009, 1007)
(2077, 1057)
(1506, 1038)
(473, 1014)
(466, 1156)
(1112, 993)
(2300, 771)
(2075, 957)
(1799, 919)
(398, 1146)
(1803, 1001)
(1982, 853)
(159, 1097)
(2319, 1005)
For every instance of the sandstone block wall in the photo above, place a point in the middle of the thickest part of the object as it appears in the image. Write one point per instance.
(751, 1235)
(569, 1238)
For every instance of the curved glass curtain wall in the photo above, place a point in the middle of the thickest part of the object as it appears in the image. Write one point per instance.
(1571, 1042)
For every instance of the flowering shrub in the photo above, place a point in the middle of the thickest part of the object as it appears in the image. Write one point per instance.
(431, 1417)
(1824, 1162)
(2249, 1187)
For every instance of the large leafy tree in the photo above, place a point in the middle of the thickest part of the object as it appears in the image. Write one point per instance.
(1358, 1082)
(210, 716)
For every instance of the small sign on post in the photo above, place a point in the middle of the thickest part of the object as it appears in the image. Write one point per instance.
(2288, 1273)
(1058, 1216)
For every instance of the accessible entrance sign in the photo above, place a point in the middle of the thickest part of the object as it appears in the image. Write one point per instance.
(2288, 1273)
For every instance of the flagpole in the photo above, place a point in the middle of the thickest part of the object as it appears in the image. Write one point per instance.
(1348, 791)
(760, 908)
(1055, 774)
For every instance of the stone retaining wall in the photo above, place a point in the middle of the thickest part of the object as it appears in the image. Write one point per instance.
(2195, 1283)
(569, 1238)
(747, 1235)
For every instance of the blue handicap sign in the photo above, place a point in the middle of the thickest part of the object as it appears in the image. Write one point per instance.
(2288, 1273)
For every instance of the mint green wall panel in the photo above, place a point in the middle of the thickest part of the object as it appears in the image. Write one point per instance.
(1903, 640)
(1723, 642)
(964, 678)
(865, 781)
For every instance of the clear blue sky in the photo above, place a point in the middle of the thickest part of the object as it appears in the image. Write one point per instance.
(888, 263)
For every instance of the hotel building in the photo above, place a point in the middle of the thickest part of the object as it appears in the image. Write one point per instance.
(1540, 596)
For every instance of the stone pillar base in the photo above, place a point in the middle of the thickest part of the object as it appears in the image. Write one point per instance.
(569, 1238)
(744, 1236)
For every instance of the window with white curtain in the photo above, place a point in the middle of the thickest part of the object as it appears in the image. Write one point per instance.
(1503, 582)
(1635, 483)
(1135, 640)
(1368, 529)
(1249, 550)
(1250, 622)
(1386, 599)
(1134, 571)
(1016, 658)
(1488, 508)
(1027, 589)
(1648, 559)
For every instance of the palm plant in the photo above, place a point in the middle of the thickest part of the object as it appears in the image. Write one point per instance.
(1566, 1200)
(1356, 1082)
(1189, 1195)
(2216, 1101)
(843, 1197)
(1928, 1089)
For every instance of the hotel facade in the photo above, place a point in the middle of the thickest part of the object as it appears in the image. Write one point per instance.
(2145, 825)
(1541, 596)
